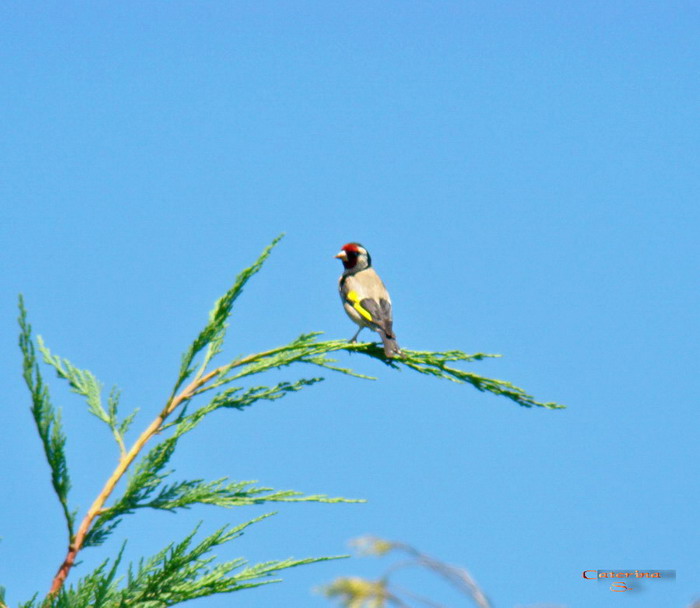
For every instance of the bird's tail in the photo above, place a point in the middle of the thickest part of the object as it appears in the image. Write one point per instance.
(391, 347)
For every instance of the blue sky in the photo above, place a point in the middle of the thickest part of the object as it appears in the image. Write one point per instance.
(526, 178)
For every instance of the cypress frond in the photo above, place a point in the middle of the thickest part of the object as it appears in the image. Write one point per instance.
(46, 418)
(81, 381)
(215, 330)
(186, 570)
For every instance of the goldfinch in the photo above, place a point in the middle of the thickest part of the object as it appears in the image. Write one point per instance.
(365, 299)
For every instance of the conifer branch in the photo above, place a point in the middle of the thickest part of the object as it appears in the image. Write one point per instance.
(146, 487)
(99, 521)
(46, 418)
(98, 504)
(180, 572)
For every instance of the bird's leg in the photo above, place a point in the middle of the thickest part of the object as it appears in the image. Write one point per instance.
(357, 333)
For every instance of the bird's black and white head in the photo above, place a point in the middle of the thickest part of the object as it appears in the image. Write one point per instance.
(354, 257)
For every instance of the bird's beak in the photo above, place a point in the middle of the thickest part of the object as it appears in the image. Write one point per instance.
(341, 255)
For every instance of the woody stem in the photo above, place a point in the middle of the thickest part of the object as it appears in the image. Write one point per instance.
(125, 461)
(78, 540)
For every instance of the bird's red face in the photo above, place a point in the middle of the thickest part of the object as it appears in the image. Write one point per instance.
(349, 254)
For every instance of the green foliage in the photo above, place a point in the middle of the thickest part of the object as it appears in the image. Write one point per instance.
(84, 383)
(46, 418)
(146, 486)
(308, 349)
(81, 381)
(212, 336)
(435, 364)
(187, 570)
(180, 572)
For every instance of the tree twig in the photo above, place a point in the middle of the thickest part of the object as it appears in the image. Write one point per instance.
(97, 506)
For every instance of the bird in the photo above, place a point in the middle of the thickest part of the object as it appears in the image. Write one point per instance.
(365, 298)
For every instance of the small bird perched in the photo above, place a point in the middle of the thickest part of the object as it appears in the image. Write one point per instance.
(365, 299)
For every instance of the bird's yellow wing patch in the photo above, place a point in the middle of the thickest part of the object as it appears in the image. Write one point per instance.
(354, 300)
